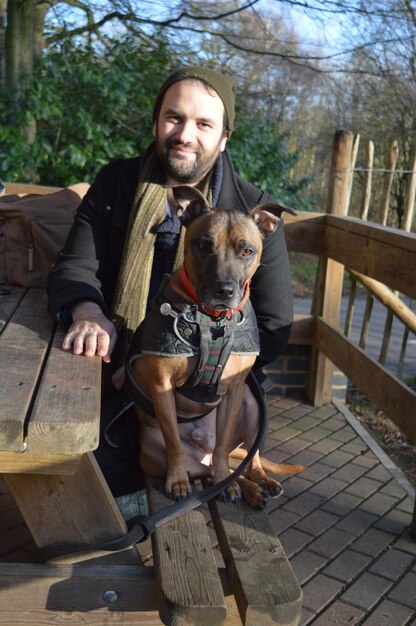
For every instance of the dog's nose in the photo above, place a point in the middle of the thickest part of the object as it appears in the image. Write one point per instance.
(225, 290)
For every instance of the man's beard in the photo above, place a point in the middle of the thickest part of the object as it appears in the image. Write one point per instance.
(184, 170)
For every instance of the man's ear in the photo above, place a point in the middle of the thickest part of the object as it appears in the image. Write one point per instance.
(267, 217)
(224, 140)
(190, 203)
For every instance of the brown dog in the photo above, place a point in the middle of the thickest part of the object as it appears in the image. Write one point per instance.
(202, 309)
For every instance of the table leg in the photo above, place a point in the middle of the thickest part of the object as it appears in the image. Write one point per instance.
(77, 508)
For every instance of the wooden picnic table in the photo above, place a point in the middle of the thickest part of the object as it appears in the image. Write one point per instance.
(49, 427)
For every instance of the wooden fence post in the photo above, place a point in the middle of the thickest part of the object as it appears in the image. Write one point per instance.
(328, 288)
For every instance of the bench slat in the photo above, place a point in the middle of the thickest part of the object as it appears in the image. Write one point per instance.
(67, 405)
(51, 594)
(23, 346)
(186, 568)
(266, 589)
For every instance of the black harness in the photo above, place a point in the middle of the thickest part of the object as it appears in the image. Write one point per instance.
(173, 328)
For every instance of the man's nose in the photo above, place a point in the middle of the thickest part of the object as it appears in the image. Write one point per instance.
(185, 132)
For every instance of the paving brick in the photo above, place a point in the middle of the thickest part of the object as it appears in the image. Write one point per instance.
(357, 522)
(379, 472)
(281, 519)
(339, 613)
(337, 458)
(328, 487)
(306, 564)
(306, 422)
(283, 434)
(346, 435)
(347, 565)
(324, 412)
(366, 460)
(315, 434)
(363, 487)
(297, 411)
(394, 522)
(373, 542)
(355, 446)
(319, 591)
(379, 504)
(341, 504)
(316, 472)
(274, 453)
(317, 522)
(389, 614)
(406, 543)
(306, 617)
(295, 485)
(404, 592)
(331, 543)
(304, 503)
(349, 472)
(325, 446)
(366, 591)
(392, 564)
(293, 540)
(293, 445)
(306, 457)
(407, 505)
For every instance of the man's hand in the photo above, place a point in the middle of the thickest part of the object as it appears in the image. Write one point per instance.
(91, 332)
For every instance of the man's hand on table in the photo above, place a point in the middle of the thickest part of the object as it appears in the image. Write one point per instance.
(91, 332)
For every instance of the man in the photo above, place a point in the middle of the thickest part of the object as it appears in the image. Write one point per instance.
(126, 236)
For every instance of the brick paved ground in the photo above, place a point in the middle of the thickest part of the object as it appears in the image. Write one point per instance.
(342, 522)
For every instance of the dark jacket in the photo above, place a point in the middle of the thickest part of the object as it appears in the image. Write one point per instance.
(89, 263)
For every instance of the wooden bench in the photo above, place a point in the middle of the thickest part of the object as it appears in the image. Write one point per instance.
(49, 426)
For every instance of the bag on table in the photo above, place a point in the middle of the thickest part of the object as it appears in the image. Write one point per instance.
(33, 229)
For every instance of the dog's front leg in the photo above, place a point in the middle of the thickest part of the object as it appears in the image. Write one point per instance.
(177, 480)
(226, 424)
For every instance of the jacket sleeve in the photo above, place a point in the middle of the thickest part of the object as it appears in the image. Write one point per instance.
(272, 298)
(82, 264)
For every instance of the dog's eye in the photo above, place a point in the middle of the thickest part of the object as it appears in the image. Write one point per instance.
(247, 252)
(205, 245)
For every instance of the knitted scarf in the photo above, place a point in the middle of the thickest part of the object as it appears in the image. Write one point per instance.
(148, 211)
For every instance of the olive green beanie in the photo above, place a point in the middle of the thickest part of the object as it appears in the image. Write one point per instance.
(223, 85)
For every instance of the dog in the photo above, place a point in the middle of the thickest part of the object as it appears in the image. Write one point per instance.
(190, 357)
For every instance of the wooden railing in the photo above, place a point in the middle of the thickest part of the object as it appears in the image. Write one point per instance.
(386, 258)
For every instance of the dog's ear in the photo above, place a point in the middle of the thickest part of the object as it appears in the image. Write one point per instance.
(267, 217)
(190, 203)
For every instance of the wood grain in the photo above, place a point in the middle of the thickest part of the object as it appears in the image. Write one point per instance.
(66, 415)
(185, 564)
(266, 589)
(23, 346)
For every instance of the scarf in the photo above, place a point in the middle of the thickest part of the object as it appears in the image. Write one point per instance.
(147, 214)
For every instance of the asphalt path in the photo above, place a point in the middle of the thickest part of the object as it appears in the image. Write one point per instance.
(375, 333)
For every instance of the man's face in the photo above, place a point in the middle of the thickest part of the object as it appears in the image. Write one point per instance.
(189, 131)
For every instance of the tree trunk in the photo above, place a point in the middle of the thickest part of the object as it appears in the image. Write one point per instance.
(23, 40)
(3, 4)
(23, 46)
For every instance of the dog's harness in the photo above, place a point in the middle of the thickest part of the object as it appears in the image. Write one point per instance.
(188, 329)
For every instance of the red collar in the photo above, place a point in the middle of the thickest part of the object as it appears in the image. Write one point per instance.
(212, 312)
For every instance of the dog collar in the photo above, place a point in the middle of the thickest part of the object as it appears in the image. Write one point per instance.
(212, 312)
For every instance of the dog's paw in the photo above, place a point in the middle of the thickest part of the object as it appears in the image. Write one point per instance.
(178, 490)
(274, 489)
(231, 494)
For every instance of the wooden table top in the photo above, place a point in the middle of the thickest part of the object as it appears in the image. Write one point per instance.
(49, 398)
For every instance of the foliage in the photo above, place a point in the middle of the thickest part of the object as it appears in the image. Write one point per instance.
(89, 107)
(261, 156)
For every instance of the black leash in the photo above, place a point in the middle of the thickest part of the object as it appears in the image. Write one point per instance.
(145, 525)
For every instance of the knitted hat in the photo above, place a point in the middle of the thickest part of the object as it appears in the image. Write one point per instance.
(223, 85)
